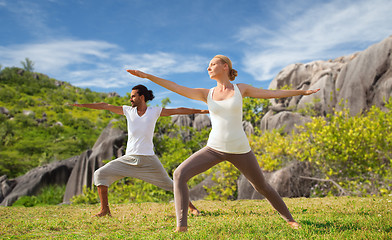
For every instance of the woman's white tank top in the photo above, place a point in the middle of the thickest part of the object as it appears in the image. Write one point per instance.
(227, 134)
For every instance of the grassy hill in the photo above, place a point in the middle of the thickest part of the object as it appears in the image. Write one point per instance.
(321, 218)
(39, 126)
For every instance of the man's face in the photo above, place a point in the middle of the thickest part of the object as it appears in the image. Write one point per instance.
(136, 99)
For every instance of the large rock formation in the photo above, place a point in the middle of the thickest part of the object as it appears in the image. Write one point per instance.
(201, 121)
(356, 82)
(286, 181)
(367, 79)
(199, 191)
(76, 172)
(286, 120)
(182, 120)
(30, 183)
(108, 145)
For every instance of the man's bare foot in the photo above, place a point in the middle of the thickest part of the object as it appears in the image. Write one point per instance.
(181, 229)
(194, 211)
(294, 225)
(103, 213)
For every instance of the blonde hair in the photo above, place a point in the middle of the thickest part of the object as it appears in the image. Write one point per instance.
(232, 72)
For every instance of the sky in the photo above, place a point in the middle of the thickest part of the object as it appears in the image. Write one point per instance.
(91, 43)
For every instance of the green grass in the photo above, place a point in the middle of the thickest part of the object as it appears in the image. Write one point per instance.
(321, 218)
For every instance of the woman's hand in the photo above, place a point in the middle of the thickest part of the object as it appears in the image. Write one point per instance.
(137, 73)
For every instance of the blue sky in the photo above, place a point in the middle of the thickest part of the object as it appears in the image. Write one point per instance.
(90, 43)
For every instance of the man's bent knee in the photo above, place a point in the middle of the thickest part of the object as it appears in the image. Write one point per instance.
(99, 178)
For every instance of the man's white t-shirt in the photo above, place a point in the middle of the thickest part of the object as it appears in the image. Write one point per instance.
(141, 130)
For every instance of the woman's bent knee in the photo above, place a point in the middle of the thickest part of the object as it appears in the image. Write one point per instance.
(179, 176)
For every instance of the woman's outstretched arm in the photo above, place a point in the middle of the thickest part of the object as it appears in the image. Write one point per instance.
(192, 93)
(249, 91)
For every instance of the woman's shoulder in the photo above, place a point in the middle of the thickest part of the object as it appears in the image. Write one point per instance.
(243, 87)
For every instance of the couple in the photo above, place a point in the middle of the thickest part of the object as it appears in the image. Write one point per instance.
(227, 140)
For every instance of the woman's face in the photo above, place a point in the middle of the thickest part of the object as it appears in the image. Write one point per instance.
(216, 68)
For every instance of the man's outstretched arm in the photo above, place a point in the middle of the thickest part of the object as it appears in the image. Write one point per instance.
(181, 111)
(101, 106)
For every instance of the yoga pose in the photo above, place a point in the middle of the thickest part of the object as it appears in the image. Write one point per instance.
(140, 160)
(227, 140)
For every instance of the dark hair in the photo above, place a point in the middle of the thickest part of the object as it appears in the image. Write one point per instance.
(142, 90)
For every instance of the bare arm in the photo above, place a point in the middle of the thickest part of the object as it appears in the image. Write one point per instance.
(249, 91)
(192, 93)
(101, 106)
(181, 111)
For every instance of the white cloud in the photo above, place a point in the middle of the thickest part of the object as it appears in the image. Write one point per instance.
(162, 63)
(162, 94)
(96, 63)
(82, 63)
(320, 31)
(53, 57)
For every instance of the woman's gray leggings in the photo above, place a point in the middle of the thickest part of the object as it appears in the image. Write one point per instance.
(207, 158)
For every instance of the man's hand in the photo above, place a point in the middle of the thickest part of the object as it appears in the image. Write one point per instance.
(74, 105)
(308, 92)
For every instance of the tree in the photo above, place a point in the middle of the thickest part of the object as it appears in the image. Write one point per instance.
(165, 102)
(28, 65)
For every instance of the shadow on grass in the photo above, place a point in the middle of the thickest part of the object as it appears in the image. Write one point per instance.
(235, 212)
(213, 213)
(332, 226)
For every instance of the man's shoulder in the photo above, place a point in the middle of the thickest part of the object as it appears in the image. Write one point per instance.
(127, 108)
(155, 109)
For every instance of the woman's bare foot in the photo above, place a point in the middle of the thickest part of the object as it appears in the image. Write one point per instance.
(181, 229)
(194, 211)
(294, 225)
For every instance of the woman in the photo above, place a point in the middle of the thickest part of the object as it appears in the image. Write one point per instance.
(227, 140)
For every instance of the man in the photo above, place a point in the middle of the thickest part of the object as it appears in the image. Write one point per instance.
(140, 160)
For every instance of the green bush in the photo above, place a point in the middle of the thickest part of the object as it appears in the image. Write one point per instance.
(49, 195)
(254, 110)
(353, 151)
(225, 175)
(125, 190)
(89, 196)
